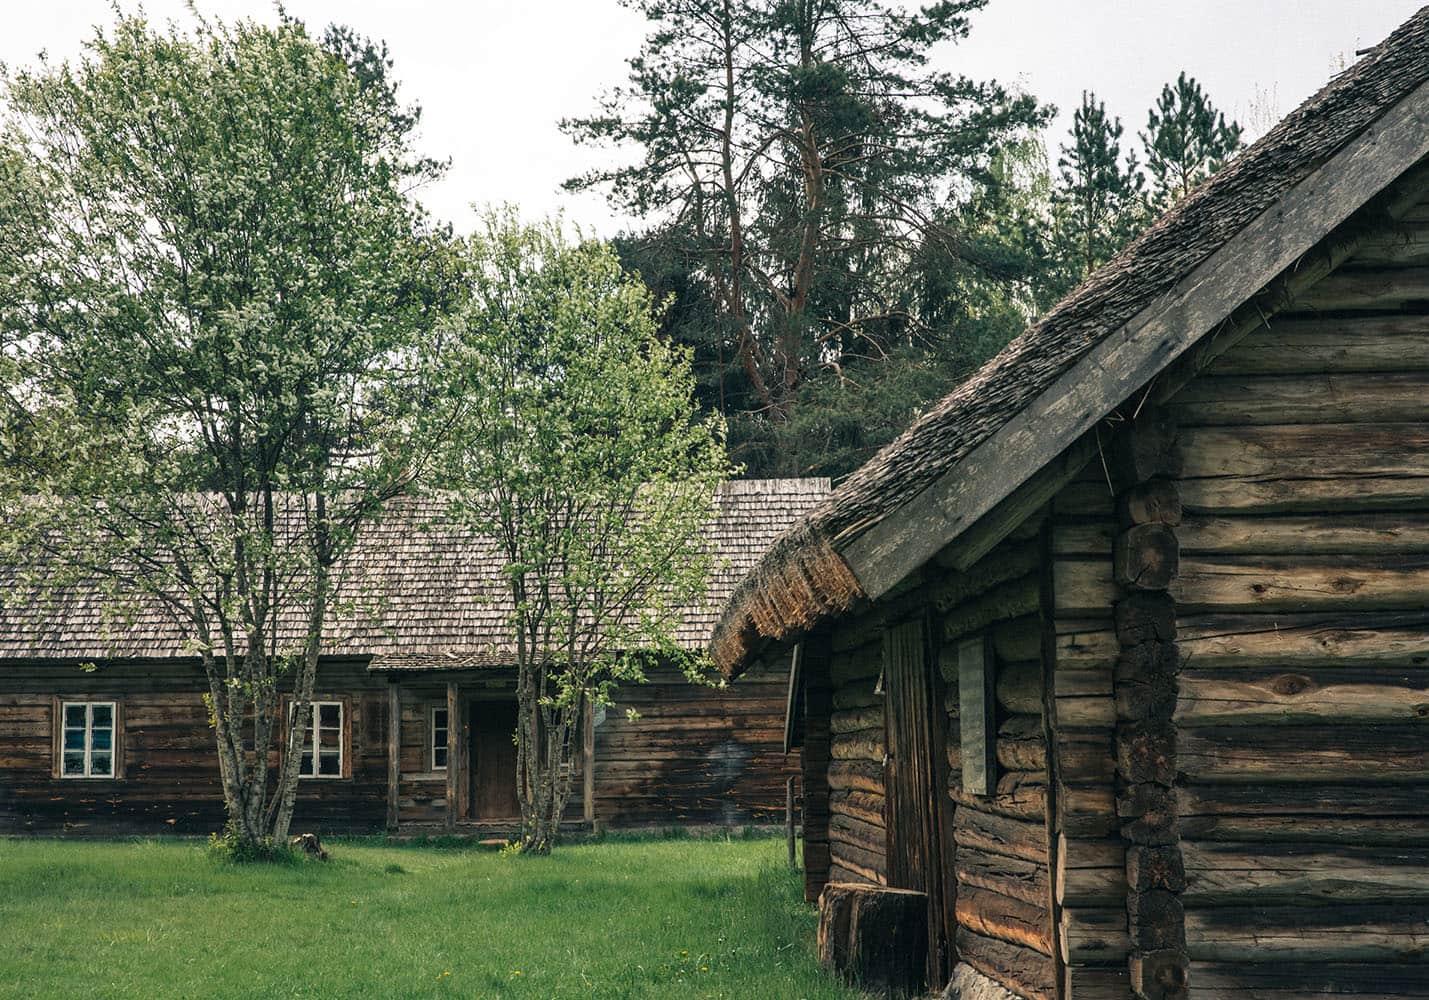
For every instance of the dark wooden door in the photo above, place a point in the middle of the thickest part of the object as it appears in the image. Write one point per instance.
(918, 821)
(493, 760)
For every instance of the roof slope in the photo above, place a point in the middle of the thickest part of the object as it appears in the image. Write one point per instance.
(804, 576)
(431, 591)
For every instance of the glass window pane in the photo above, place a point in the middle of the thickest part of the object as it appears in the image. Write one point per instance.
(306, 767)
(101, 739)
(329, 738)
(330, 715)
(103, 716)
(330, 763)
(74, 739)
(74, 762)
(74, 715)
(101, 764)
(439, 757)
(439, 718)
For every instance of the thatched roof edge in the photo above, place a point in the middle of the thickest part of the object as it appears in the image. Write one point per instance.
(773, 603)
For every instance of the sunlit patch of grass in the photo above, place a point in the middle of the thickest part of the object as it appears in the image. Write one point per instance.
(624, 918)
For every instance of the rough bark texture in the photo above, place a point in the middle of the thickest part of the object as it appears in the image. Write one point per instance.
(875, 937)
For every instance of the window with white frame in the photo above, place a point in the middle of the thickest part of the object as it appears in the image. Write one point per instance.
(438, 729)
(87, 739)
(322, 740)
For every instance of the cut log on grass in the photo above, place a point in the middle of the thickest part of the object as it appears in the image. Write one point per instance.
(875, 937)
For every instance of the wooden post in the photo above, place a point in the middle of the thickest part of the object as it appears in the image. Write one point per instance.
(454, 729)
(394, 751)
(1146, 563)
(814, 761)
(977, 715)
(789, 821)
(588, 759)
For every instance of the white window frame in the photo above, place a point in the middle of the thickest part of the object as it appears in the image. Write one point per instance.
(89, 707)
(315, 708)
(432, 744)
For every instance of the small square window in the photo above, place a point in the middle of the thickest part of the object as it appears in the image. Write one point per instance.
(87, 739)
(438, 729)
(322, 740)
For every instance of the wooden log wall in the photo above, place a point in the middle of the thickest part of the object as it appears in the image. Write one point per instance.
(814, 763)
(1090, 887)
(1145, 564)
(1303, 628)
(1005, 923)
(856, 830)
(694, 755)
(170, 781)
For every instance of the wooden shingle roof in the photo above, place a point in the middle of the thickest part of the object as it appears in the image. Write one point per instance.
(1171, 287)
(429, 592)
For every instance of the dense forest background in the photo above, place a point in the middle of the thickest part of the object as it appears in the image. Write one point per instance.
(844, 232)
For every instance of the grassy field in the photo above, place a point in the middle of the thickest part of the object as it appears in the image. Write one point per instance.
(655, 918)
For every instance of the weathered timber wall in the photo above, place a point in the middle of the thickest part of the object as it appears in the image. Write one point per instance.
(1005, 924)
(1303, 626)
(170, 779)
(857, 742)
(694, 754)
(1090, 879)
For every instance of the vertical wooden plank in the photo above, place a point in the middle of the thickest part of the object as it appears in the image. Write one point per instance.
(394, 751)
(588, 761)
(814, 760)
(56, 736)
(454, 729)
(789, 821)
(915, 805)
(1047, 650)
(975, 716)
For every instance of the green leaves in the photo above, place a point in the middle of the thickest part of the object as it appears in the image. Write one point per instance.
(580, 448)
(214, 307)
(1186, 141)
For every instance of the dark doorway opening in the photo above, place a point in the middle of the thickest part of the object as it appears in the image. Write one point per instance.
(493, 760)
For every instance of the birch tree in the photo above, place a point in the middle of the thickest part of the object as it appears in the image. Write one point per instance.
(582, 453)
(211, 325)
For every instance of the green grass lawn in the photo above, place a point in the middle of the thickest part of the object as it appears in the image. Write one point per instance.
(655, 918)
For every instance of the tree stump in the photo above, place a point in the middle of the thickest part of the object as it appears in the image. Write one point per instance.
(875, 937)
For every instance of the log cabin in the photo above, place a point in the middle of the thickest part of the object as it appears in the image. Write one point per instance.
(1120, 653)
(103, 728)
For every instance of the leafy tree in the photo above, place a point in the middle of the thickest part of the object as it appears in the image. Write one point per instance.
(211, 313)
(582, 453)
(793, 156)
(1097, 202)
(1186, 140)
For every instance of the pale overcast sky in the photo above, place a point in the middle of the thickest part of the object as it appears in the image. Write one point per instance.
(494, 77)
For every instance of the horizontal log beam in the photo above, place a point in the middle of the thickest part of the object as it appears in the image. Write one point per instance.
(1323, 639)
(1094, 934)
(1309, 534)
(1263, 934)
(1332, 696)
(1383, 754)
(1246, 874)
(1304, 583)
(1004, 918)
(1340, 344)
(1369, 289)
(1239, 400)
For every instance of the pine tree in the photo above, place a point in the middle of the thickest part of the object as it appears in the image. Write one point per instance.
(1097, 202)
(1186, 140)
(792, 159)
